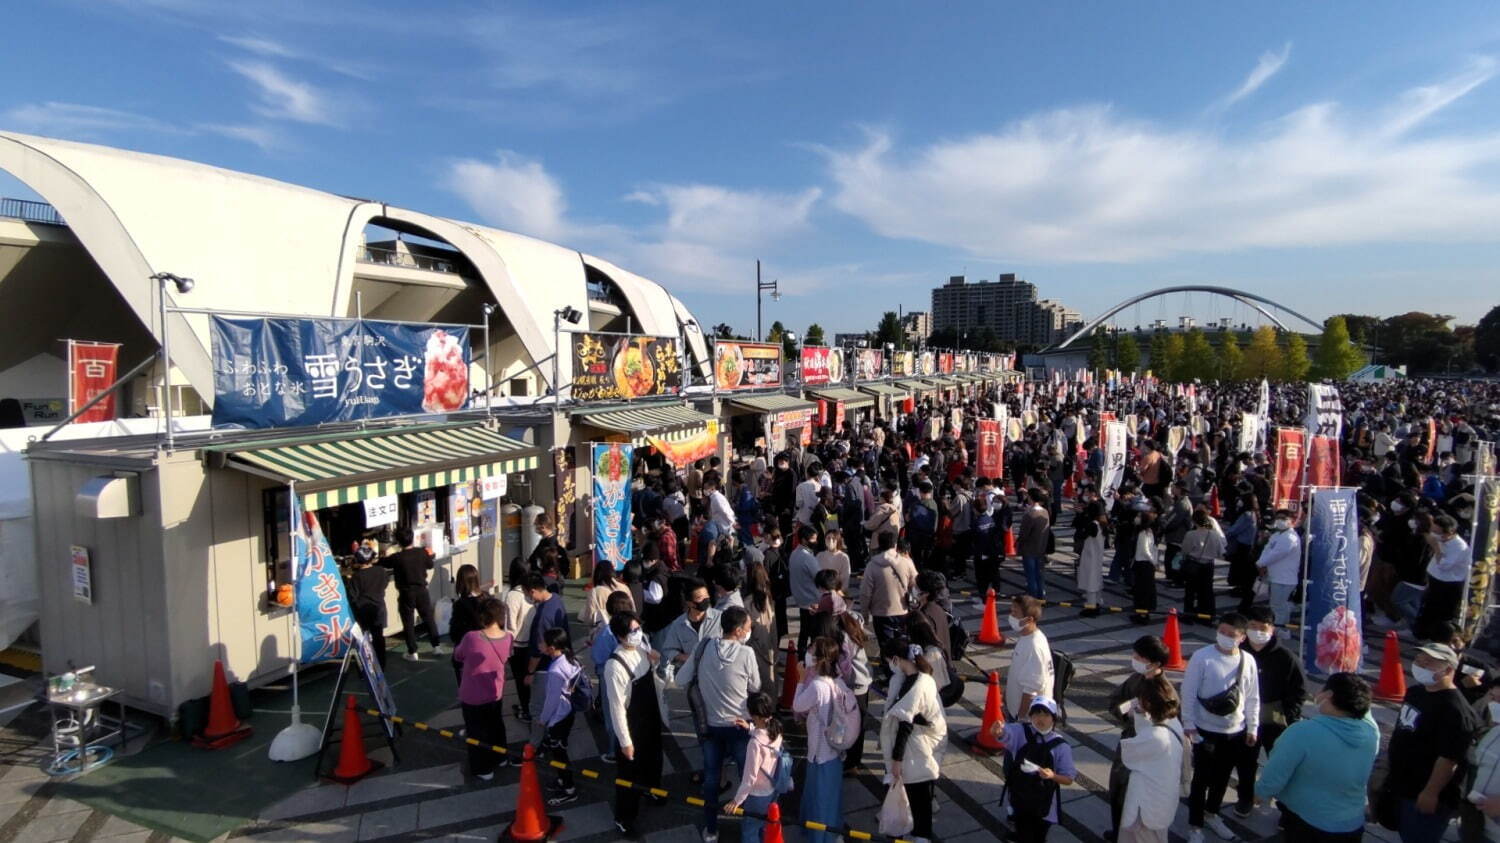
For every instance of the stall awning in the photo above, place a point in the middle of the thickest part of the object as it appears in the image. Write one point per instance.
(917, 385)
(681, 433)
(776, 403)
(886, 389)
(851, 397)
(333, 469)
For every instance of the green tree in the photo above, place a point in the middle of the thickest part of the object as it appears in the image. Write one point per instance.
(1337, 356)
(814, 335)
(1231, 358)
(1098, 354)
(1263, 355)
(1487, 340)
(1198, 360)
(1399, 337)
(1294, 362)
(889, 331)
(1174, 353)
(1361, 328)
(943, 338)
(778, 333)
(1128, 355)
(1157, 351)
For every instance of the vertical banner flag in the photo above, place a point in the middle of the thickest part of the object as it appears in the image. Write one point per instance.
(1484, 458)
(991, 449)
(1289, 442)
(1176, 438)
(91, 370)
(612, 537)
(1332, 641)
(956, 421)
(1431, 437)
(1480, 597)
(1114, 462)
(1263, 414)
(1249, 432)
(1325, 413)
(323, 614)
(1322, 462)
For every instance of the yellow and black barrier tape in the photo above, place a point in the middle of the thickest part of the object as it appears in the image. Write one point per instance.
(695, 801)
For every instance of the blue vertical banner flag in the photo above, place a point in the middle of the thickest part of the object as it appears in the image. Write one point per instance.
(1332, 640)
(323, 615)
(612, 538)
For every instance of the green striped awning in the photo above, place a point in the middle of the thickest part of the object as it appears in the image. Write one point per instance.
(671, 422)
(333, 469)
(886, 389)
(775, 402)
(851, 397)
(917, 385)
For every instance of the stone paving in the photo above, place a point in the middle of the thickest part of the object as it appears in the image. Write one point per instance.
(437, 801)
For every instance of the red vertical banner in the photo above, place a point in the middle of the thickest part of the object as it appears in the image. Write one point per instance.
(838, 416)
(1289, 456)
(1431, 441)
(822, 413)
(1322, 462)
(91, 370)
(991, 449)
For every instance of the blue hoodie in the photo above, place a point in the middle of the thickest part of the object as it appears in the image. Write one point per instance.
(1320, 768)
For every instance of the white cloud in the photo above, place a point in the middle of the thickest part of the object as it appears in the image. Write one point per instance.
(71, 119)
(263, 137)
(1088, 184)
(277, 50)
(514, 193)
(1267, 66)
(718, 216)
(284, 98)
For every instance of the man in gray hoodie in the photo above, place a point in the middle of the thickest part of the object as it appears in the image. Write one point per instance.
(726, 676)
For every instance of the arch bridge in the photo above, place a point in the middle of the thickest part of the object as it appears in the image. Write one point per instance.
(1260, 303)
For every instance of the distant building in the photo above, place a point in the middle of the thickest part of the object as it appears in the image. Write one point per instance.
(843, 340)
(916, 326)
(1009, 306)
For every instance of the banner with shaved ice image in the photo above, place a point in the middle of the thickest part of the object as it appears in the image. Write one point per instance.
(1332, 641)
(612, 538)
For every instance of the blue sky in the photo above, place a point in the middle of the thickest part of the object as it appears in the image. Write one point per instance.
(1334, 157)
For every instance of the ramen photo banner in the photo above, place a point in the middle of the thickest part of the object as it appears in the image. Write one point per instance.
(613, 367)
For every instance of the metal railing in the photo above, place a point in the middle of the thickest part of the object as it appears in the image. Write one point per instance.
(406, 260)
(30, 211)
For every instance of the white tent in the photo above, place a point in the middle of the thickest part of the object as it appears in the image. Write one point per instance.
(1378, 372)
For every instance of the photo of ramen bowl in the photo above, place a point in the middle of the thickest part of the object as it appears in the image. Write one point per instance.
(835, 366)
(633, 371)
(730, 367)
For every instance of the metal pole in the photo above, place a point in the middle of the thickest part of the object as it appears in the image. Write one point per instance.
(166, 361)
(1476, 479)
(123, 379)
(759, 337)
(557, 361)
(489, 380)
(291, 543)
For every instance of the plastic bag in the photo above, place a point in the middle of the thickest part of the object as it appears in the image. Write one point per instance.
(444, 615)
(1262, 588)
(895, 814)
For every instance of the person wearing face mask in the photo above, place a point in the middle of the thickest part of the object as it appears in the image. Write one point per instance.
(1156, 756)
(725, 674)
(1148, 654)
(1091, 527)
(1030, 673)
(1221, 715)
(1038, 763)
(1480, 817)
(1143, 572)
(912, 731)
(1428, 750)
(1446, 575)
(699, 620)
(1282, 690)
(1319, 770)
(1280, 564)
(636, 713)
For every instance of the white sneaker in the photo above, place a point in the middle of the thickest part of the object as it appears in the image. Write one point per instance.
(1217, 826)
(412, 657)
(439, 650)
(1195, 835)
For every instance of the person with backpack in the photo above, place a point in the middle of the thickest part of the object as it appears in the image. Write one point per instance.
(636, 716)
(366, 589)
(949, 684)
(834, 724)
(1221, 716)
(567, 691)
(1038, 763)
(721, 674)
(913, 730)
(883, 590)
(766, 772)
(481, 656)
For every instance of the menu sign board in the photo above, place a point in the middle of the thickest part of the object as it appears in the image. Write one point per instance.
(869, 364)
(927, 364)
(746, 365)
(945, 362)
(610, 367)
(903, 364)
(822, 365)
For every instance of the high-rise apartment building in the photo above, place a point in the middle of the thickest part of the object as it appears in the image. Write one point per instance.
(1009, 306)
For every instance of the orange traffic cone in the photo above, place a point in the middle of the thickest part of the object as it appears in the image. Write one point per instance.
(354, 764)
(1392, 684)
(1214, 508)
(1068, 487)
(1173, 639)
(772, 831)
(531, 821)
(1010, 542)
(224, 728)
(792, 677)
(994, 712)
(989, 627)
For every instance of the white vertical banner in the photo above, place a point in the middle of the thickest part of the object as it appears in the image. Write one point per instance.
(1325, 412)
(1249, 432)
(1176, 438)
(1263, 412)
(1114, 462)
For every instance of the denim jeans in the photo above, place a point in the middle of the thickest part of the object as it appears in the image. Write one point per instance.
(1417, 827)
(823, 799)
(1407, 598)
(1032, 565)
(722, 743)
(1281, 602)
(750, 827)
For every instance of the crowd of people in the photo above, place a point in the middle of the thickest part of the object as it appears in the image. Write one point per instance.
(846, 551)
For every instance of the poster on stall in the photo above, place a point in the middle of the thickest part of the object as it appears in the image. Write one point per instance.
(83, 577)
(945, 362)
(288, 372)
(1288, 468)
(822, 365)
(1332, 640)
(613, 367)
(492, 487)
(991, 449)
(425, 514)
(459, 514)
(927, 364)
(1114, 463)
(565, 496)
(869, 364)
(683, 449)
(323, 617)
(382, 510)
(746, 365)
(612, 537)
(903, 364)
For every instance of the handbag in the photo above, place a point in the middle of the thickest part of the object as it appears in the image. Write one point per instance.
(895, 818)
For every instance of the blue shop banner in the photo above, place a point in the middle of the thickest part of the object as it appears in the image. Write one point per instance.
(323, 615)
(290, 372)
(1331, 639)
(612, 538)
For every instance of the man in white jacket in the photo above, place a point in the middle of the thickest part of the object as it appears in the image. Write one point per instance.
(1281, 564)
(1221, 715)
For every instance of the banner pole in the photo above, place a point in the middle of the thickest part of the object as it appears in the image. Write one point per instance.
(297, 740)
(1476, 479)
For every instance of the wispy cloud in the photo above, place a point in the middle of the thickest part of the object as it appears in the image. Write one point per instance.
(1269, 64)
(512, 192)
(274, 49)
(1088, 184)
(71, 119)
(264, 137)
(282, 97)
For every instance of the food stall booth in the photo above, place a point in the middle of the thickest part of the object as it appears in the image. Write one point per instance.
(890, 399)
(841, 405)
(777, 421)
